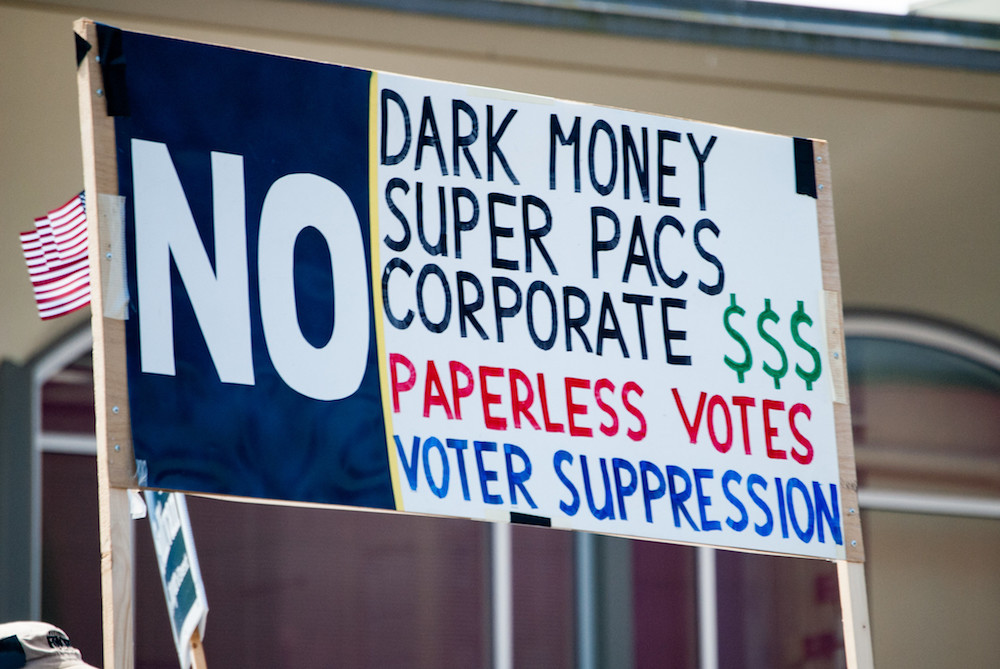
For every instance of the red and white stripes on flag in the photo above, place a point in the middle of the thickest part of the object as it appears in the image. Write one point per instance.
(58, 264)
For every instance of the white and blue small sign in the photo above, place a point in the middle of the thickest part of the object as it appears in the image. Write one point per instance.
(187, 605)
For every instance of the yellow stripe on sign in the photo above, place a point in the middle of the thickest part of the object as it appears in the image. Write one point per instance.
(383, 371)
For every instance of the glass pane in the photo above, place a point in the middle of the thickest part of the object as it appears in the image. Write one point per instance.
(286, 586)
(71, 551)
(68, 399)
(665, 606)
(299, 587)
(778, 612)
(544, 595)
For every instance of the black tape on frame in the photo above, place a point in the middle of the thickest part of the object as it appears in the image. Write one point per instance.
(526, 519)
(109, 49)
(805, 167)
(82, 47)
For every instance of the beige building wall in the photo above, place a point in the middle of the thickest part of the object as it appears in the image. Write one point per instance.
(915, 156)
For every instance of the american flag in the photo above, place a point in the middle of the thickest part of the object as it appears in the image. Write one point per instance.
(58, 264)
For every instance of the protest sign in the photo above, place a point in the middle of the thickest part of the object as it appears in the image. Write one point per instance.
(355, 288)
(359, 288)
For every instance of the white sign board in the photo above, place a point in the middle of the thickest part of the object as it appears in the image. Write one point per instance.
(610, 320)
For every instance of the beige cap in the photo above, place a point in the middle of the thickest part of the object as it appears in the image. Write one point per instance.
(37, 645)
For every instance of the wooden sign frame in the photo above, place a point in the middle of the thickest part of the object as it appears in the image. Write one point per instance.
(116, 461)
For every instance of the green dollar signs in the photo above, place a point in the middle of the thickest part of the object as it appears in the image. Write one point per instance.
(741, 368)
(800, 316)
(776, 373)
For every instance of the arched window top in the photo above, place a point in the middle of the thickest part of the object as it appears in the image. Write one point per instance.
(63, 395)
(894, 346)
(925, 404)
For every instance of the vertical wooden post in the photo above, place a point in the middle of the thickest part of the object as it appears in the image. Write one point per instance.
(854, 603)
(115, 461)
(197, 651)
(851, 570)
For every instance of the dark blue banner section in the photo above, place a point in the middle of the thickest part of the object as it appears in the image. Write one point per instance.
(212, 110)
